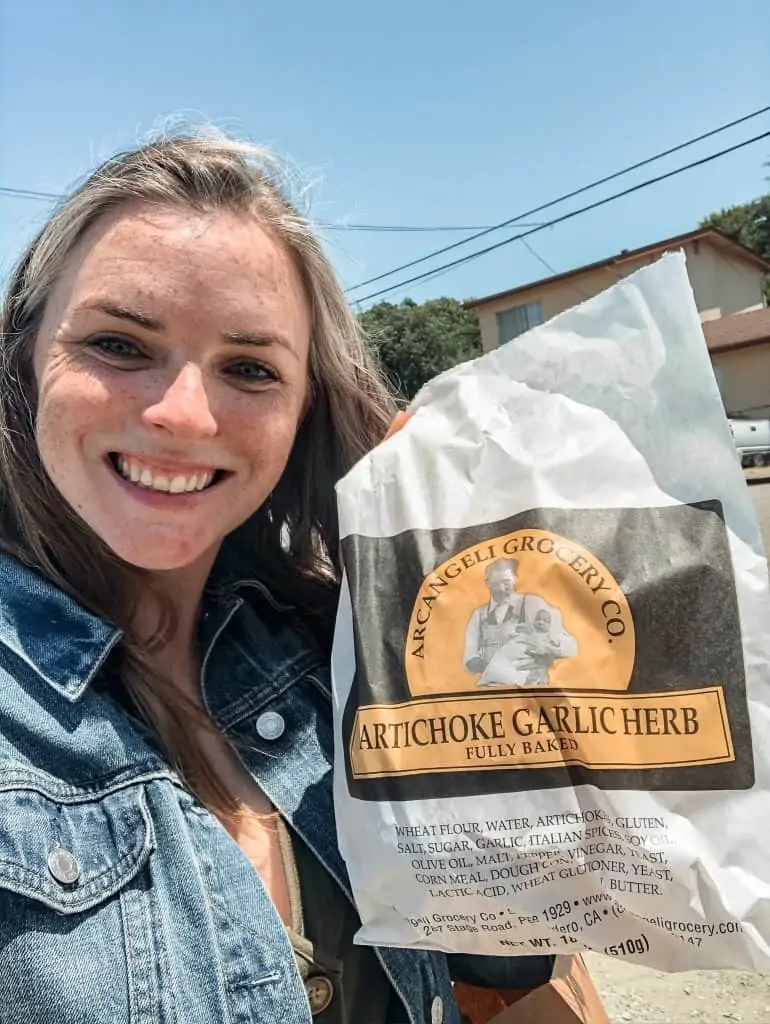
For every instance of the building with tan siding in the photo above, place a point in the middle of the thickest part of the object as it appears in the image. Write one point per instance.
(727, 281)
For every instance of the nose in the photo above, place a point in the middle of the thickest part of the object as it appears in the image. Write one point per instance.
(183, 409)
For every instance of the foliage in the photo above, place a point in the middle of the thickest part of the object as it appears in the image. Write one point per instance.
(748, 223)
(415, 342)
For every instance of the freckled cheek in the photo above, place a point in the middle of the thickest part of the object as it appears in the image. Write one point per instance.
(83, 392)
(68, 412)
(264, 438)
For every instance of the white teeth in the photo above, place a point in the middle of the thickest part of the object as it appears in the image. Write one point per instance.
(178, 484)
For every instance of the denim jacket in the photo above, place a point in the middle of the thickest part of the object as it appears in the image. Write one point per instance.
(121, 898)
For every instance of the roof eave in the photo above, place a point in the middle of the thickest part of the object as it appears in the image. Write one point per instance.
(666, 244)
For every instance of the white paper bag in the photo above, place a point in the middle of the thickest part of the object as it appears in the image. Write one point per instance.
(551, 659)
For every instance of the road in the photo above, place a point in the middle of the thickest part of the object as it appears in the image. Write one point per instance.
(641, 996)
(637, 995)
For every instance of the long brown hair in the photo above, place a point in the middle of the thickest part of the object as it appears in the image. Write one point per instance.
(292, 541)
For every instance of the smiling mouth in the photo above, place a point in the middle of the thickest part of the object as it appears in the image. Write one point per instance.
(140, 475)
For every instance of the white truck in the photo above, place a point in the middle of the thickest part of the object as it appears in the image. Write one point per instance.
(752, 441)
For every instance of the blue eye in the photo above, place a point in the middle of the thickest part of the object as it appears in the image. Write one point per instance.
(251, 372)
(117, 348)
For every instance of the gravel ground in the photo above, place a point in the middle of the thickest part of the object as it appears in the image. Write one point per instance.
(638, 995)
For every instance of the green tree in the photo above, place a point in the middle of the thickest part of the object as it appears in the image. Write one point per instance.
(748, 223)
(415, 342)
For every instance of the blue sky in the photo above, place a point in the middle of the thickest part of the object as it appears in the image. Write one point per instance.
(428, 112)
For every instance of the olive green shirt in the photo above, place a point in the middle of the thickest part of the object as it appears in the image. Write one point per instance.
(345, 983)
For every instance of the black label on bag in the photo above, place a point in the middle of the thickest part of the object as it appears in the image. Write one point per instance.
(557, 647)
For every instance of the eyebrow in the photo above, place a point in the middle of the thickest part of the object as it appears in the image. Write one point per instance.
(260, 340)
(135, 316)
(149, 323)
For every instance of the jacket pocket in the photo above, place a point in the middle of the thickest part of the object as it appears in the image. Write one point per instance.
(72, 853)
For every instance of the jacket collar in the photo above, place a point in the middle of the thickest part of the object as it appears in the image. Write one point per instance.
(64, 644)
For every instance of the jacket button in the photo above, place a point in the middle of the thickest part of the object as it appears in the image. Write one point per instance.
(63, 866)
(319, 993)
(270, 725)
(437, 1011)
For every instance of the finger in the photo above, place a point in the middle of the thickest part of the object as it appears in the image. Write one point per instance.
(398, 422)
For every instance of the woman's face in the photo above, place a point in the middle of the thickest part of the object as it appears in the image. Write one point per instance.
(172, 367)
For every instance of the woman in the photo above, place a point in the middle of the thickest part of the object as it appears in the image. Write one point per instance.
(182, 383)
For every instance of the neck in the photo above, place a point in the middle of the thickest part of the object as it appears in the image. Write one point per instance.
(176, 656)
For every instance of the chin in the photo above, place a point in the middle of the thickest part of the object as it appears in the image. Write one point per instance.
(161, 556)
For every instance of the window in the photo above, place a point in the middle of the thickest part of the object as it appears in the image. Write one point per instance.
(513, 322)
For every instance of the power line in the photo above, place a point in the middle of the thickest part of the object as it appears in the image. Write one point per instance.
(410, 227)
(481, 231)
(28, 193)
(552, 270)
(538, 257)
(559, 220)
(561, 199)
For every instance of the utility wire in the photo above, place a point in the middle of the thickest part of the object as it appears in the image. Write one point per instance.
(28, 193)
(560, 199)
(559, 220)
(20, 193)
(538, 257)
(409, 227)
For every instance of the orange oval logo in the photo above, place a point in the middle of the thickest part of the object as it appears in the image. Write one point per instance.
(529, 609)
